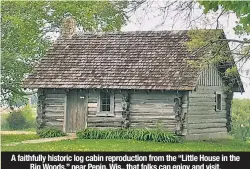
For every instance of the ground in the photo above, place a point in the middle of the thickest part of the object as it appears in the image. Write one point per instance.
(120, 145)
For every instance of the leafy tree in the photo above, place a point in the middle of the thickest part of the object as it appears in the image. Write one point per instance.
(240, 8)
(26, 32)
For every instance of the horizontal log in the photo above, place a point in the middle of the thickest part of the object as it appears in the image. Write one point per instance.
(54, 123)
(54, 111)
(92, 105)
(204, 95)
(202, 99)
(201, 108)
(152, 101)
(204, 116)
(54, 118)
(184, 105)
(92, 100)
(52, 114)
(54, 105)
(153, 123)
(152, 106)
(132, 117)
(92, 113)
(202, 120)
(206, 109)
(202, 104)
(151, 110)
(167, 129)
(90, 109)
(92, 119)
(55, 96)
(208, 130)
(118, 107)
(54, 100)
(206, 125)
(47, 109)
(207, 112)
(115, 124)
(151, 114)
(154, 95)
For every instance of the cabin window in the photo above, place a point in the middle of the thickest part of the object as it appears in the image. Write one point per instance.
(218, 102)
(105, 101)
(105, 104)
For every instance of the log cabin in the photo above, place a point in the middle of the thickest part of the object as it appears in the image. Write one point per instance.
(140, 79)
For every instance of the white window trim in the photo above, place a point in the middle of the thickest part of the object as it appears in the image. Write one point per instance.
(112, 106)
(216, 108)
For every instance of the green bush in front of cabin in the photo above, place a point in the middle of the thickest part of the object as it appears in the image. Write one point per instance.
(136, 134)
(49, 132)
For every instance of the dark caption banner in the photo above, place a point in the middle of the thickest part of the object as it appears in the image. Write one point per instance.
(125, 160)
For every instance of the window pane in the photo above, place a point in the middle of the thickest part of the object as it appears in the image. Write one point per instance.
(108, 108)
(105, 101)
(218, 101)
(103, 107)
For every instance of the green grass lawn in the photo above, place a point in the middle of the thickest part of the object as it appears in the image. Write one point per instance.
(122, 145)
(11, 138)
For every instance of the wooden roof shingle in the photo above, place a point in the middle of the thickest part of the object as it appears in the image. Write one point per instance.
(122, 60)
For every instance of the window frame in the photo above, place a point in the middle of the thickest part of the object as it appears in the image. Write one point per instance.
(99, 104)
(216, 101)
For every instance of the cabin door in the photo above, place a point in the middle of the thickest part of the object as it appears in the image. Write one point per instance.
(76, 110)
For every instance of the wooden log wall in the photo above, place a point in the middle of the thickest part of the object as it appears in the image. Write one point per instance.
(102, 122)
(153, 109)
(53, 103)
(204, 121)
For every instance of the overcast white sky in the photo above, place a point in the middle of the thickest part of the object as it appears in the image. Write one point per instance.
(150, 20)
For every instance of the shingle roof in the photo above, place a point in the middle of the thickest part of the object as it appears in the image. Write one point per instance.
(121, 60)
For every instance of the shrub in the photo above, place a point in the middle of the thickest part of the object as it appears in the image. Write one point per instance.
(241, 119)
(136, 134)
(19, 119)
(50, 132)
(16, 120)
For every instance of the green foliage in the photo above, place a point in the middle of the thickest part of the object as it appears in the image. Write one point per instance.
(26, 27)
(241, 119)
(240, 8)
(136, 134)
(212, 51)
(21, 119)
(50, 132)
(231, 72)
(200, 38)
(16, 120)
